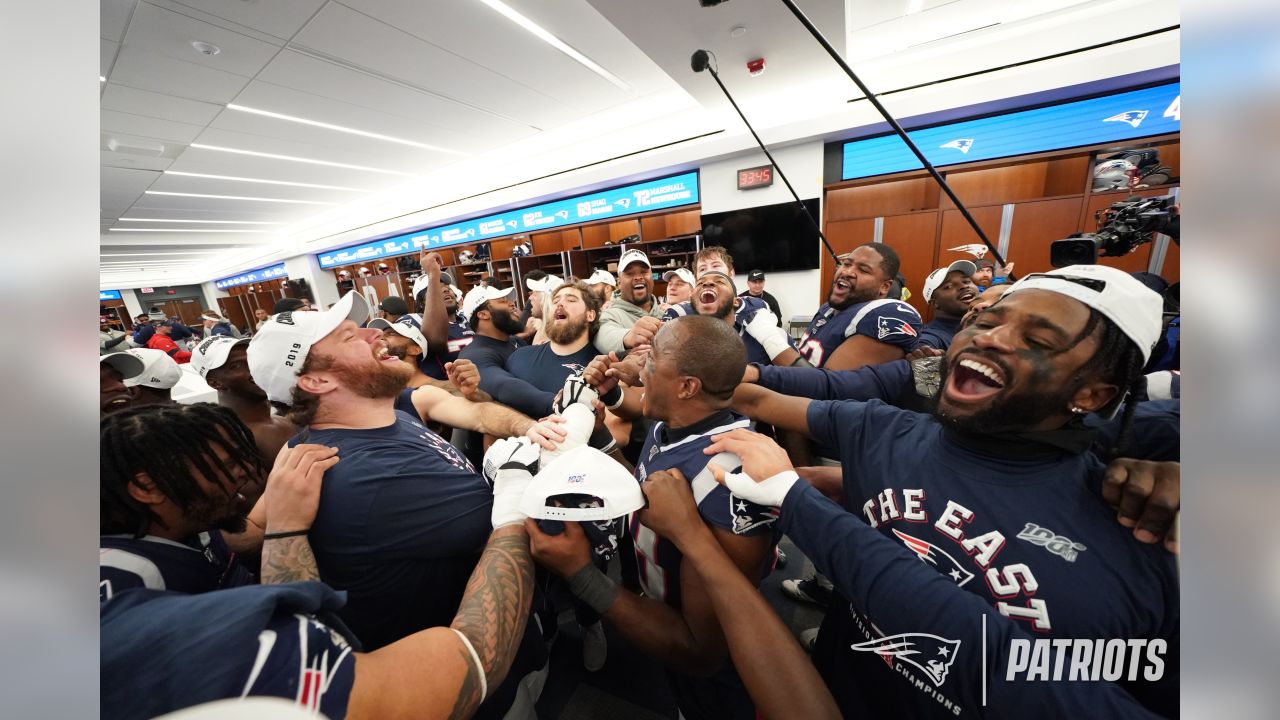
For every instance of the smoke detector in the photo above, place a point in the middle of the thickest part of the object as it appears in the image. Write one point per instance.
(205, 48)
(135, 147)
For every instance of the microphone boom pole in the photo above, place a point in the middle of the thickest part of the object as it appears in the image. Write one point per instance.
(875, 102)
(699, 63)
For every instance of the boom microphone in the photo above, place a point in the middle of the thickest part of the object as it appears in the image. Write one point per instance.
(700, 61)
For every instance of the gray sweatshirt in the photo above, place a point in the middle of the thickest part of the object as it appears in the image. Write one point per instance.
(618, 319)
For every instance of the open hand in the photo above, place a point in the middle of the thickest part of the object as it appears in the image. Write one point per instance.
(292, 496)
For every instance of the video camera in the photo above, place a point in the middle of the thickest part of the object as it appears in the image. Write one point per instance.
(1121, 229)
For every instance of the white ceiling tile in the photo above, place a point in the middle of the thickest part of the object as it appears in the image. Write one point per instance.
(473, 31)
(106, 56)
(114, 18)
(354, 37)
(281, 18)
(168, 76)
(323, 79)
(140, 125)
(208, 186)
(133, 162)
(170, 34)
(382, 156)
(157, 105)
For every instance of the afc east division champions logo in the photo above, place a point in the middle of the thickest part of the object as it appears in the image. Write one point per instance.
(930, 654)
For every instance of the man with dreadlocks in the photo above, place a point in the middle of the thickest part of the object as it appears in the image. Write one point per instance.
(995, 489)
(171, 484)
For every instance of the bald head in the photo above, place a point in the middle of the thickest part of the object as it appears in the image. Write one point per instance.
(706, 348)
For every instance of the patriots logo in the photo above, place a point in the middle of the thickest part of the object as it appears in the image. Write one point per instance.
(285, 318)
(1133, 117)
(937, 557)
(749, 517)
(895, 326)
(961, 144)
(930, 654)
(977, 250)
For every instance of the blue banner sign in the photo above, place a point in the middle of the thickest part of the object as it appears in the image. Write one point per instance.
(108, 295)
(658, 194)
(267, 273)
(1124, 116)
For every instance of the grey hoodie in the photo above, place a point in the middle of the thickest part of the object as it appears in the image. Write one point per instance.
(618, 319)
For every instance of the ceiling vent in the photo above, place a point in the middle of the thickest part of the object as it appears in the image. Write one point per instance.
(136, 147)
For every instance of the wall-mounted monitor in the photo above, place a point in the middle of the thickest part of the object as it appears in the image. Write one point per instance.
(772, 238)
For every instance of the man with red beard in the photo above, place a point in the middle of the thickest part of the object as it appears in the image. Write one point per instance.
(570, 329)
(713, 294)
(403, 517)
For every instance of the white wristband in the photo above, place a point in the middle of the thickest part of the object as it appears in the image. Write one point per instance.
(475, 657)
(770, 492)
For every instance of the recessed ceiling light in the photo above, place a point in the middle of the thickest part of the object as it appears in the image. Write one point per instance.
(102, 78)
(184, 230)
(292, 158)
(266, 182)
(341, 128)
(738, 31)
(237, 197)
(205, 48)
(544, 35)
(211, 222)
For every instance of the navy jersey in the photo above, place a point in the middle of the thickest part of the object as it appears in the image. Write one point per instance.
(402, 520)
(163, 651)
(721, 695)
(508, 388)
(542, 368)
(747, 307)
(938, 332)
(151, 562)
(1024, 529)
(892, 322)
(404, 403)
(460, 335)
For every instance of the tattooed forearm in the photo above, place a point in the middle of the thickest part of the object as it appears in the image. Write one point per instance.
(469, 694)
(495, 607)
(288, 560)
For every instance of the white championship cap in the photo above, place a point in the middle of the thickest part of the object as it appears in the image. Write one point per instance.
(682, 273)
(1120, 297)
(582, 471)
(632, 256)
(212, 352)
(129, 366)
(937, 277)
(480, 295)
(409, 326)
(159, 371)
(602, 276)
(278, 350)
(546, 284)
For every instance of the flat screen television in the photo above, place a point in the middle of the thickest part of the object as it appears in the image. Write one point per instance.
(772, 238)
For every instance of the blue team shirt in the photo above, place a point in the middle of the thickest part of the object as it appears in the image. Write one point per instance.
(747, 307)
(938, 332)
(892, 322)
(460, 335)
(403, 518)
(162, 651)
(1026, 531)
(202, 565)
(542, 368)
(658, 560)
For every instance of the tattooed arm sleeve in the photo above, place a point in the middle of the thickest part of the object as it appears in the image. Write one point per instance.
(288, 559)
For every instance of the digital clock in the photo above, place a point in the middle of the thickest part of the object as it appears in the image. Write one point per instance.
(756, 177)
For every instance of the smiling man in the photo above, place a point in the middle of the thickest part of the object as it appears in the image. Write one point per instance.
(713, 295)
(633, 317)
(949, 291)
(859, 325)
(113, 370)
(1004, 449)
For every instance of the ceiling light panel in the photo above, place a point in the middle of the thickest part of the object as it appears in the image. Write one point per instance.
(244, 198)
(263, 181)
(342, 129)
(533, 28)
(183, 230)
(212, 222)
(297, 159)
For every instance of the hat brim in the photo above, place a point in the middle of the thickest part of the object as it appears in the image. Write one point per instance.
(130, 366)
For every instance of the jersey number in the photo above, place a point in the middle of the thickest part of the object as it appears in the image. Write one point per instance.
(812, 351)
(652, 577)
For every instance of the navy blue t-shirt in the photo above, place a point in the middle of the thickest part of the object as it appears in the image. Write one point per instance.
(1026, 531)
(504, 386)
(938, 332)
(460, 335)
(163, 651)
(658, 560)
(541, 367)
(892, 322)
(746, 310)
(151, 562)
(403, 518)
